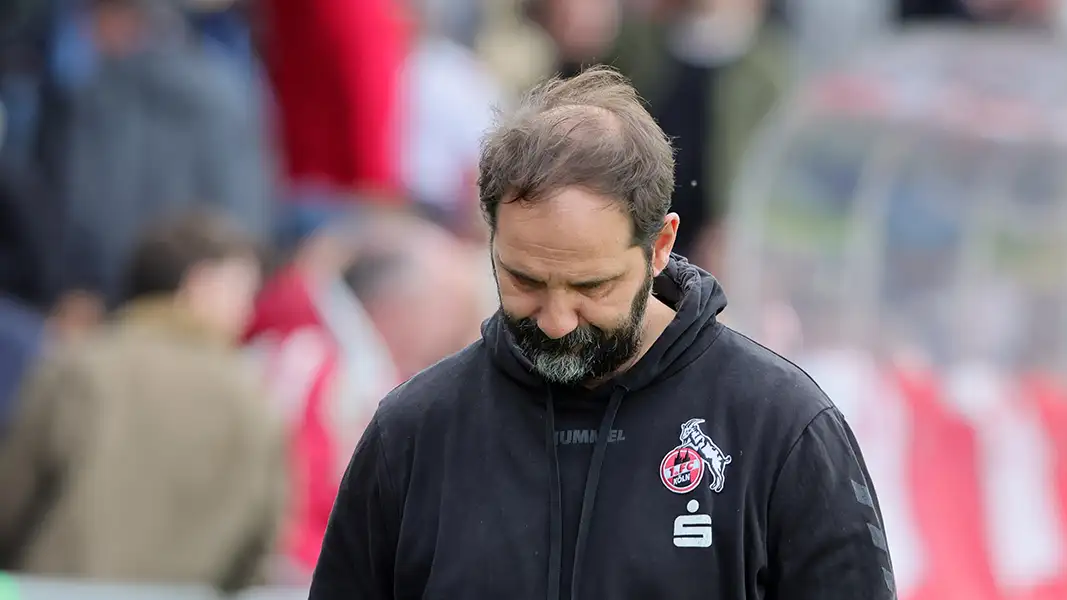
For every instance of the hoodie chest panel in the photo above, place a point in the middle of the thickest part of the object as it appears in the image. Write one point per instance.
(477, 521)
(650, 541)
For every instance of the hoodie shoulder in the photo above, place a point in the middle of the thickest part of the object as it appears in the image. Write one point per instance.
(423, 408)
(761, 378)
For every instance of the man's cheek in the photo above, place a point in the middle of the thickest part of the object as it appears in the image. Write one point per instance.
(606, 314)
(517, 305)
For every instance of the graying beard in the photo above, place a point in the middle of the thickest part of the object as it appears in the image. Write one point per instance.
(561, 369)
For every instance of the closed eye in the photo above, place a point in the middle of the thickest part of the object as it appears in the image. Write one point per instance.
(526, 282)
(590, 286)
(595, 285)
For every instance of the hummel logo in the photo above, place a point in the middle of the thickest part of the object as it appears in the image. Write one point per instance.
(585, 436)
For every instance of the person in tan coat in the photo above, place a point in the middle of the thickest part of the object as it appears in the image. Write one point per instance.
(147, 452)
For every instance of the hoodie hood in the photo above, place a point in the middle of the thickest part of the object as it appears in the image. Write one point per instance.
(696, 297)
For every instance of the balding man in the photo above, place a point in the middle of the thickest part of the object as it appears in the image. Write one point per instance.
(607, 438)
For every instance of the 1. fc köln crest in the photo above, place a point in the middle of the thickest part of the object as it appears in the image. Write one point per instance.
(683, 468)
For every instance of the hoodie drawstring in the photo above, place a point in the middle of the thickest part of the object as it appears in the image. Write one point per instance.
(555, 512)
(592, 483)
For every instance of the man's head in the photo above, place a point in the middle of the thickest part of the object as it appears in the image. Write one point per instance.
(204, 263)
(421, 288)
(575, 186)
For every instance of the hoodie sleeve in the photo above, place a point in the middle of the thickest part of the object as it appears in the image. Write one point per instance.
(359, 548)
(826, 536)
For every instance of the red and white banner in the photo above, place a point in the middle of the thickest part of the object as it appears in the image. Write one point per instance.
(971, 473)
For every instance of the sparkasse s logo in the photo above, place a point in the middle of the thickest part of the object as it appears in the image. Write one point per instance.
(692, 530)
(684, 467)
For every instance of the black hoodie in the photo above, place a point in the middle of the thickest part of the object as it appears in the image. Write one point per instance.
(713, 469)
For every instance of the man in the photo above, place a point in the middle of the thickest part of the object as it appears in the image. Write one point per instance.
(419, 285)
(157, 126)
(327, 368)
(607, 437)
(147, 451)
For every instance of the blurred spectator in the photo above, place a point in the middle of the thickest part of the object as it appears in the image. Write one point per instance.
(583, 30)
(335, 68)
(147, 452)
(423, 289)
(157, 128)
(516, 51)
(327, 368)
(711, 72)
(451, 100)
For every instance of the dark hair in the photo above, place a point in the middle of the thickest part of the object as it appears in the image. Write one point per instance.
(590, 131)
(167, 252)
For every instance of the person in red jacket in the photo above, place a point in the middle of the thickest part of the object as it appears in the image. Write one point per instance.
(326, 367)
(335, 67)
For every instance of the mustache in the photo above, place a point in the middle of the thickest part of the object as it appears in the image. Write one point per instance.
(529, 333)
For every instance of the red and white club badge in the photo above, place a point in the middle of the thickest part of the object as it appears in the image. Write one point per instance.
(682, 470)
(684, 467)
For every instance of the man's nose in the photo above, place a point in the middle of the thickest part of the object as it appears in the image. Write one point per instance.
(557, 320)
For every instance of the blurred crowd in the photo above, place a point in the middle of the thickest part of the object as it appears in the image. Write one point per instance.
(228, 227)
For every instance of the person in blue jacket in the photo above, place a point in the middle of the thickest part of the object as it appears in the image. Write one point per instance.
(608, 437)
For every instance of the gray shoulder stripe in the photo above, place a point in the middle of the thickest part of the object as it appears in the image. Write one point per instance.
(863, 494)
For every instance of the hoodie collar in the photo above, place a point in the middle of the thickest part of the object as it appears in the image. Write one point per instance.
(694, 294)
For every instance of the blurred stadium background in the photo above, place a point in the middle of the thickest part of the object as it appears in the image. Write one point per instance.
(881, 185)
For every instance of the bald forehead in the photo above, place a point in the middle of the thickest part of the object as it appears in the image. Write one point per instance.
(571, 224)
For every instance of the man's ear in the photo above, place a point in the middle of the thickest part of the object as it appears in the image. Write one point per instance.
(664, 243)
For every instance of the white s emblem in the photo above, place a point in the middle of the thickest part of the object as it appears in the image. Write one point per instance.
(692, 531)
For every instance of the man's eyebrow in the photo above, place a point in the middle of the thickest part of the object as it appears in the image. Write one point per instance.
(587, 283)
(517, 273)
